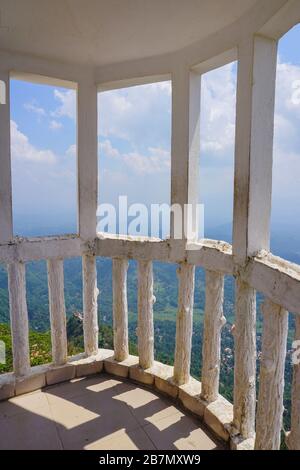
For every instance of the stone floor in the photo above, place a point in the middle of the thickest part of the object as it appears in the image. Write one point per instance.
(99, 413)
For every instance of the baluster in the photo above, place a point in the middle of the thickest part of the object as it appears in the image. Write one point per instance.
(145, 329)
(270, 398)
(211, 346)
(18, 318)
(293, 438)
(244, 360)
(90, 306)
(57, 311)
(120, 309)
(184, 323)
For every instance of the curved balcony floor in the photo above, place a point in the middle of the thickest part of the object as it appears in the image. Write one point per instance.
(99, 412)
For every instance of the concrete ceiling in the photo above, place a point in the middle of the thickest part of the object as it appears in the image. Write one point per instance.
(106, 31)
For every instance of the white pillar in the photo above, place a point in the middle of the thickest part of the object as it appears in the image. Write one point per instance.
(244, 359)
(90, 306)
(211, 344)
(87, 157)
(57, 311)
(186, 88)
(120, 309)
(145, 331)
(254, 146)
(18, 318)
(293, 438)
(271, 381)
(6, 231)
(184, 323)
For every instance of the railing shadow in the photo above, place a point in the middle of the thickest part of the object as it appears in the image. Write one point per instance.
(101, 412)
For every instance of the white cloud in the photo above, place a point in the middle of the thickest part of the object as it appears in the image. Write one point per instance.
(112, 176)
(33, 107)
(22, 149)
(44, 183)
(156, 160)
(67, 104)
(218, 98)
(55, 125)
(163, 86)
(72, 151)
(287, 111)
(108, 150)
(140, 115)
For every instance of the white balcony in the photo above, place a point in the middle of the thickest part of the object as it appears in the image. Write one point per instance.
(85, 54)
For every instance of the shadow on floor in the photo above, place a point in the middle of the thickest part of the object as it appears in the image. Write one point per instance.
(101, 412)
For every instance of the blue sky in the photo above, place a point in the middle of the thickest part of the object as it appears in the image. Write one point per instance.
(134, 131)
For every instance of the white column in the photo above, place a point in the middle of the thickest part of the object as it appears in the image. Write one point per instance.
(214, 320)
(18, 318)
(186, 88)
(271, 382)
(87, 157)
(244, 359)
(145, 331)
(57, 311)
(254, 146)
(6, 231)
(252, 202)
(184, 323)
(293, 438)
(90, 306)
(120, 308)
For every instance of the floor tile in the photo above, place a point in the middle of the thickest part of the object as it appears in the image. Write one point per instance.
(121, 440)
(19, 404)
(29, 430)
(180, 432)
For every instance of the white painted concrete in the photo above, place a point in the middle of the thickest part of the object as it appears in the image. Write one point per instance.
(90, 305)
(107, 32)
(254, 138)
(271, 382)
(6, 230)
(87, 149)
(18, 318)
(120, 308)
(293, 438)
(244, 359)
(184, 323)
(214, 321)
(57, 309)
(185, 148)
(145, 329)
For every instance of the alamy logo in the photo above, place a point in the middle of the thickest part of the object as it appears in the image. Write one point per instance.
(141, 220)
(2, 353)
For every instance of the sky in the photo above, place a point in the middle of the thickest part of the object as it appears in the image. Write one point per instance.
(134, 134)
